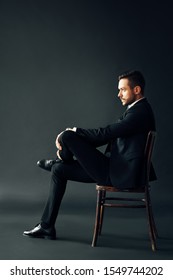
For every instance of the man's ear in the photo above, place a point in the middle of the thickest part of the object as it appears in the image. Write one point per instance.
(137, 89)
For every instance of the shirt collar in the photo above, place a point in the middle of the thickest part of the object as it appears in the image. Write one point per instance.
(129, 106)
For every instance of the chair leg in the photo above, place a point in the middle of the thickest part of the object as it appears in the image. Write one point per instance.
(152, 217)
(102, 211)
(97, 218)
(150, 222)
(153, 223)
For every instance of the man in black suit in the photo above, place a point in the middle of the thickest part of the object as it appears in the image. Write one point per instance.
(122, 163)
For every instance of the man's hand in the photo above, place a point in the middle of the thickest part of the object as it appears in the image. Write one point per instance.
(59, 147)
(58, 155)
(73, 129)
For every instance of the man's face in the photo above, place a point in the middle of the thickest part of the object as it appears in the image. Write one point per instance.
(126, 94)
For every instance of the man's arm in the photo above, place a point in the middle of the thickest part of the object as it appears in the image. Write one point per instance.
(93, 141)
(135, 121)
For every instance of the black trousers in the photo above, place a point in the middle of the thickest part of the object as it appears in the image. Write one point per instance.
(89, 166)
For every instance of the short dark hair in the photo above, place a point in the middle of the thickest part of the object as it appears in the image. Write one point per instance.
(135, 79)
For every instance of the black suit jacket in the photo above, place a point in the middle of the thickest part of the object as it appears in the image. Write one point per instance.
(126, 141)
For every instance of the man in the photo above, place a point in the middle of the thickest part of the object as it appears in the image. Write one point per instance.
(122, 163)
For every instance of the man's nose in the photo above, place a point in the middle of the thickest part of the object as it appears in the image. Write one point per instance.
(119, 93)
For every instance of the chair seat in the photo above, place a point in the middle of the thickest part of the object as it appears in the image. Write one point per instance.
(115, 189)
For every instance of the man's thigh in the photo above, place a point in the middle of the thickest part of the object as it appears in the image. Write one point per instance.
(93, 161)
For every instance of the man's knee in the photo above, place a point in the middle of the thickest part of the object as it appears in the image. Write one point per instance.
(66, 136)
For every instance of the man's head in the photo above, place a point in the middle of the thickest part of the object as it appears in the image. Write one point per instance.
(131, 87)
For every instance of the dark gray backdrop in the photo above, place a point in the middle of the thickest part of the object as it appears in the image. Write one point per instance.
(59, 62)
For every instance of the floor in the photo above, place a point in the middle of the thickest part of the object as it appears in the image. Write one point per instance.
(124, 235)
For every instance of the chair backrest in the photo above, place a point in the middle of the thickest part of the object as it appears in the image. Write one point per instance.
(148, 152)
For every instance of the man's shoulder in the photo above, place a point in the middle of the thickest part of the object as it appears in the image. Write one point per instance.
(141, 109)
(142, 104)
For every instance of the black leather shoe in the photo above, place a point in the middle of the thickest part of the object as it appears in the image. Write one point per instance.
(46, 163)
(39, 232)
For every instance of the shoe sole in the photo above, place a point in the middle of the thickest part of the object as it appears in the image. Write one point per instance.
(43, 237)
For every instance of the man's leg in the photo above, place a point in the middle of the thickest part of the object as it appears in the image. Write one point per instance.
(94, 162)
(91, 166)
(61, 173)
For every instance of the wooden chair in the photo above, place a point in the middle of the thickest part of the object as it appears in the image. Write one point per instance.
(138, 202)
